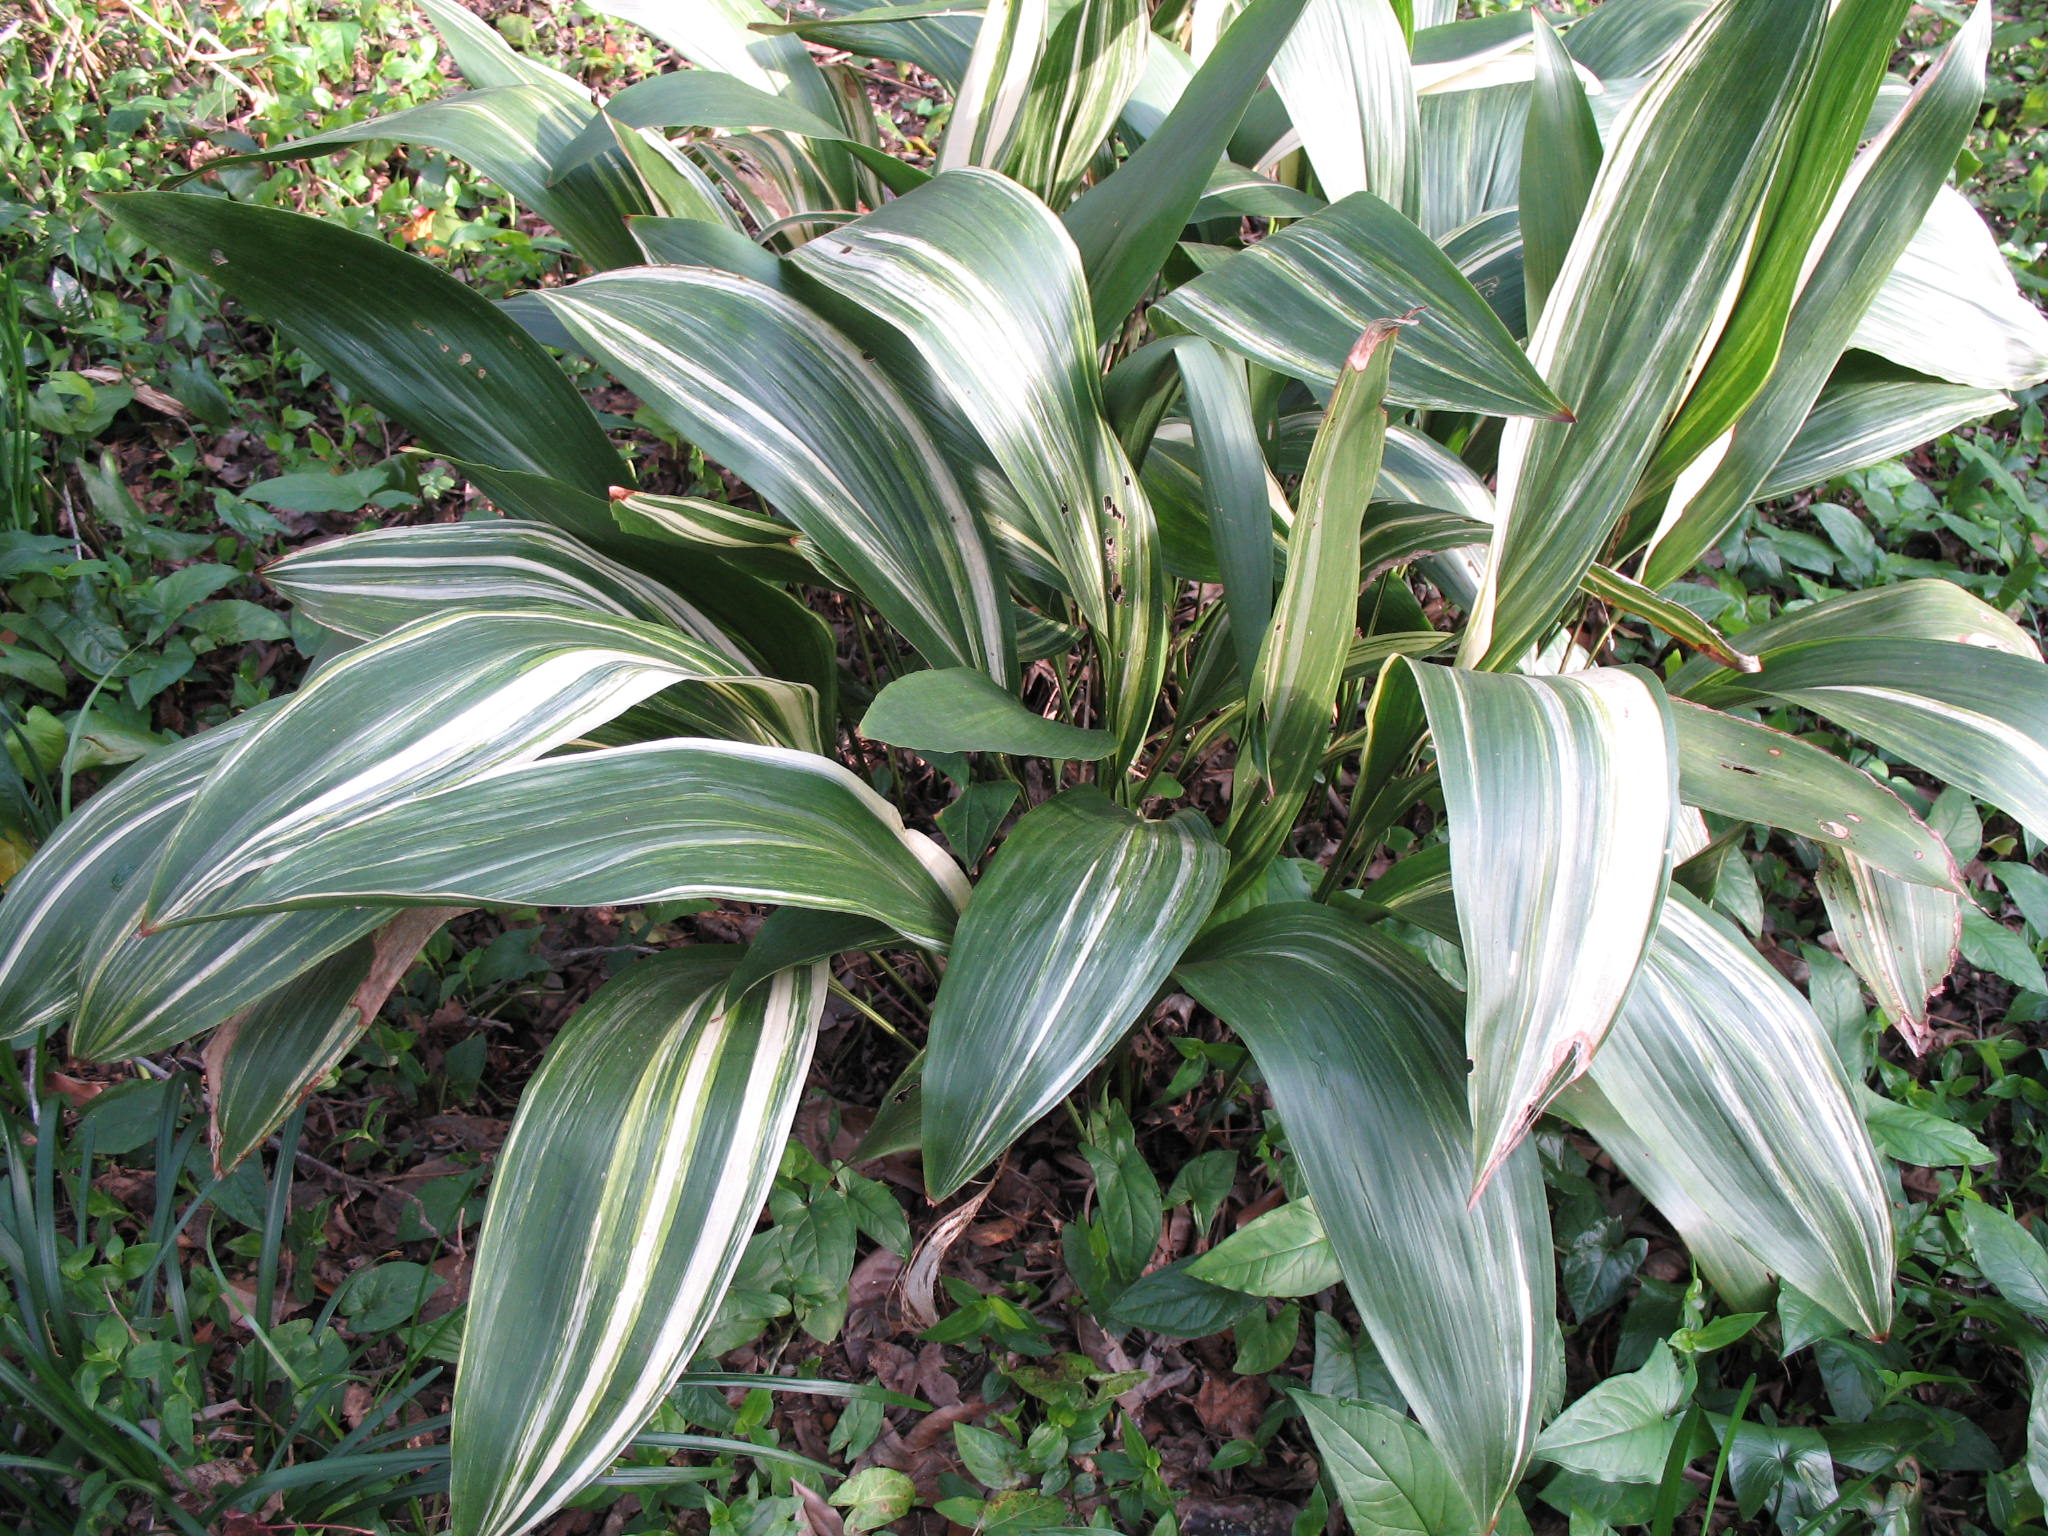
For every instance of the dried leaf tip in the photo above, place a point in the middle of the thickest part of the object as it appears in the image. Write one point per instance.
(619, 492)
(1370, 338)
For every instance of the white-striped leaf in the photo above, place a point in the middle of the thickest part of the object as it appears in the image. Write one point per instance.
(1950, 308)
(1296, 301)
(1357, 1039)
(98, 858)
(429, 705)
(372, 583)
(1901, 938)
(263, 1062)
(1292, 690)
(1733, 1088)
(1973, 717)
(1927, 608)
(514, 135)
(723, 35)
(982, 279)
(619, 1209)
(786, 402)
(1641, 290)
(1560, 793)
(1737, 1275)
(621, 826)
(996, 87)
(1874, 215)
(147, 991)
(1868, 413)
(1855, 49)
(1091, 64)
(1560, 161)
(1345, 77)
(1083, 911)
(1749, 771)
(1471, 156)
(407, 337)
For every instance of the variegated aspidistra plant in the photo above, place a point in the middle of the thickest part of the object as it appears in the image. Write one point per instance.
(1310, 388)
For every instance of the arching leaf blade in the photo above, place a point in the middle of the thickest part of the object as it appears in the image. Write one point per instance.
(1357, 1039)
(1080, 916)
(619, 1209)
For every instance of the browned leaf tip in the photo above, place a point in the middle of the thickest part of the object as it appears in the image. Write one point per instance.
(1370, 338)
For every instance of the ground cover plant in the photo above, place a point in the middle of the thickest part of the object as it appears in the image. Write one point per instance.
(1297, 560)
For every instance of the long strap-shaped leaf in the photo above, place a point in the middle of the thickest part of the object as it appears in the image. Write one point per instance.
(1344, 75)
(104, 849)
(985, 283)
(983, 280)
(144, 992)
(1238, 491)
(373, 583)
(1950, 307)
(410, 339)
(1738, 768)
(428, 705)
(1091, 63)
(1642, 286)
(783, 400)
(1928, 608)
(513, 134)
(1083, 912)
(1559, 792)
(1358, 1041)
(261, 1064)
(732, 36)
(634, 1173)
(1900, 938)
(1855, 49)
(1973, 717)
(991, 100)
(1879, 205)
(1296, 301)
(1292, 691)
(1126, 224)
(1869, 412)
(625, 825)
(1730, 1083)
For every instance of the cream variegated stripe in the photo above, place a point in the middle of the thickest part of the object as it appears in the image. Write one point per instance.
(993, 93)
(983, 280)
(1972, 716)
(1739, 768)
(782, 399)
(1736, 1273)
(1872, 220)
(621, 1205)
(721, 35)
(1642, 291)
(144, 992)
(103, 851)
(1733, 1088)
(1901, 938)
(1349, 88)
(1297, 300)
(658, 821)
(1357, 1040)
(1950, 307)
(1928, 608)
(372, 583)
(1082, 913)
(426, 706)
(1867, 418)
(1560, 793)
(988, 287)
(1090, 66)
